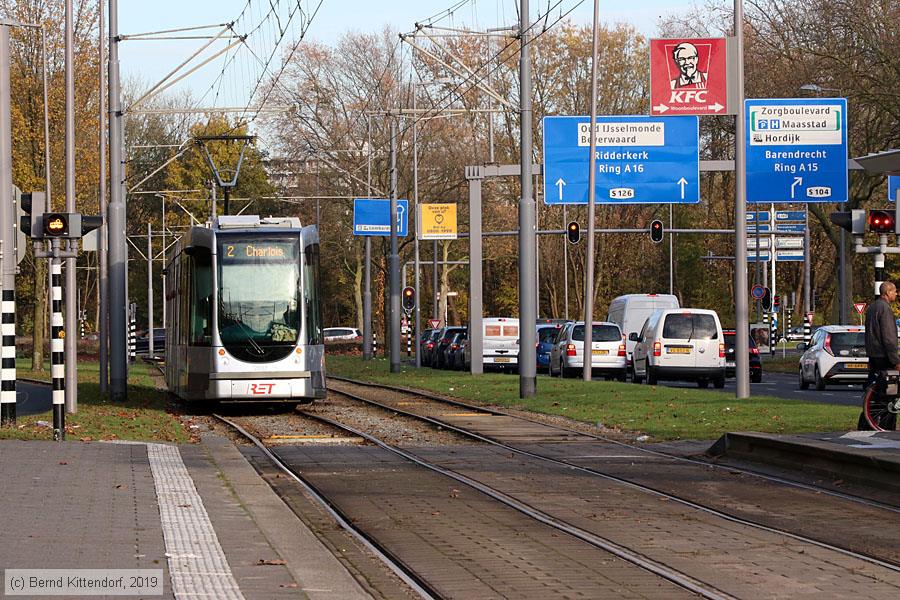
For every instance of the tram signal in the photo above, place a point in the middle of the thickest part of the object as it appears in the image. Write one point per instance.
(56, 225)
(881, 221)
(656, 231)
(409, 299)
(573, 232)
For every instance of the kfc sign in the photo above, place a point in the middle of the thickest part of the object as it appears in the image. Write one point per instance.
(689, 77)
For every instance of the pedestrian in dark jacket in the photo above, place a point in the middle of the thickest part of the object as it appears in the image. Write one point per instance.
(881, 331)
(881, 337)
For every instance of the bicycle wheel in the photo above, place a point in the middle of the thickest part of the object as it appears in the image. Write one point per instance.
(875, 409)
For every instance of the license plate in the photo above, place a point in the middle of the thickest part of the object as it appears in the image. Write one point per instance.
(729, 364)
(678, 350)
(599, 352)
(501, 359)
(856, 366)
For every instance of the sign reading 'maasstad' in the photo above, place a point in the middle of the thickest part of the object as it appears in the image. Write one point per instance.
(623, 134)
(785, 125)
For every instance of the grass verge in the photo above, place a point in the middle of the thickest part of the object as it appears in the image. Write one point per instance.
(664, 413)
(144, 417)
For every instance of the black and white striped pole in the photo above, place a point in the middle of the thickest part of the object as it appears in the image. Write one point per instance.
(57, 347)
(8, 384)
(132, 332)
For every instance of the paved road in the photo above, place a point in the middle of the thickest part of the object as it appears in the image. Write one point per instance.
(32, 399)
(782, 385)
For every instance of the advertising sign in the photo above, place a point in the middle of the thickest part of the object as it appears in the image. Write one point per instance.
(437, 222)
(689, 77)
(640, 160)
(796, 150)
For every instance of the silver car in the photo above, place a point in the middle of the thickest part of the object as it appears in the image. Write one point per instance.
(607, 351)
(836, 354)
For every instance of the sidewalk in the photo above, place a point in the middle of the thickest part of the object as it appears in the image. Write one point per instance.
(198, 512)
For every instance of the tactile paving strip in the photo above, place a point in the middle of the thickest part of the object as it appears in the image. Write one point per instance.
(197, 564)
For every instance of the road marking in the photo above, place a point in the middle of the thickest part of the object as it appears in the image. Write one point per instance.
(197, 563)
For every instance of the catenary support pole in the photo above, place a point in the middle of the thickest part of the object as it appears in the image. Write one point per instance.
(417, 328)
(118, 251)
(57, 347)
(103, 325)
(527, 238)
(7, 243)
(367, 267)
(587, 355)
(741, 307)
(150, 348)
(476, 310)
(394, 266)
(71, 339)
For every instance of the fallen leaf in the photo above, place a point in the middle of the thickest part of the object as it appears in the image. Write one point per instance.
(289, 585)
(271, 561)
(62, 462)
(86, 439)
(184, 506)
(121, 486)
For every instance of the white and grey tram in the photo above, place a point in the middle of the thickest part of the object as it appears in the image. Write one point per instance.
(244, 316)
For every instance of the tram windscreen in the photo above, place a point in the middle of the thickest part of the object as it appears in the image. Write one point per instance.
(259, 293)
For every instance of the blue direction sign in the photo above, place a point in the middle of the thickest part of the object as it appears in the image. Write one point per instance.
(764, 256)
(763, 216)
(796, 150)
(763, 228)
(790, 215)
(893, 187)
(372, 216)
(790, 227)
(640, 160)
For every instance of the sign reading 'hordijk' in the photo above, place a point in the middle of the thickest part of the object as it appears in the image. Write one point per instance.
(689, 77)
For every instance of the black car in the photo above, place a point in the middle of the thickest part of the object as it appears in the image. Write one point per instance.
(441, 343)
(449, 360)
(755, 360)
(142, 343)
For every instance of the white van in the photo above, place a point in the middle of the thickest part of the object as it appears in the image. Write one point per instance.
(631, 310)
(500, 342)
(680, 345)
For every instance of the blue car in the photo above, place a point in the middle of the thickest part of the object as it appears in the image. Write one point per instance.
(546, 335)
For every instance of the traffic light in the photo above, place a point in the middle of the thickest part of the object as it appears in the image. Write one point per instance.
(66, 225)
(776, 303)
(767, 300)
(881, 221)
(32, 207)
(853, 221)
(409, 299)
(573, 232)
(656, 231)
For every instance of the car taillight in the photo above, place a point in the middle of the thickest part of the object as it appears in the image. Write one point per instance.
(454, 346)
(621, 349)
(828, 344)
(754, 350)
(657, 349)
(430, 345)
(570, 349)
(721, 350)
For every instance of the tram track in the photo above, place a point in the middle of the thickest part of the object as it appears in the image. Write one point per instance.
(889, 562)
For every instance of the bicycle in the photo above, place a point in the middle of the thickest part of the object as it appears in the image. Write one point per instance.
(881, 401)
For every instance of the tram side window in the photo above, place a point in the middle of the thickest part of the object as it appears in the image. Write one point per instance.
(311, 295)
(184, 285)
(201, 299)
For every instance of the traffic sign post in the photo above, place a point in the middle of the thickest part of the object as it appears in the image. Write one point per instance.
(796, 150)
(437, 222)
(434, 323)
(893, 187)
(860, 310)
(372, 216)
(640, 160)
(757, 292)
(690, 77)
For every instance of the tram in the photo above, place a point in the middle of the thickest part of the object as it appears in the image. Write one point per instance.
(244, 313)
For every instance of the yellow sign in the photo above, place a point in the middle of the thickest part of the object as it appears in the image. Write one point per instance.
(437, 222)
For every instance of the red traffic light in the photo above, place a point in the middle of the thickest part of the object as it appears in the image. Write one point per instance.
(881, 221)
(656, 231)
(409, 298)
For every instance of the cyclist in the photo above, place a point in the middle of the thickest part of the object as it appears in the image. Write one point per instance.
(881, 338)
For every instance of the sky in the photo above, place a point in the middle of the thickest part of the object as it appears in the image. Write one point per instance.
(149, 61)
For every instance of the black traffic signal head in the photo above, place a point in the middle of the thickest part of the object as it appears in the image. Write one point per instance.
(881, 221)
(767, 300)
(90, 223)
(31, 205)
(656, 231)
(409, 298)
(56, 225)
(853, 221)
(573, 232)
